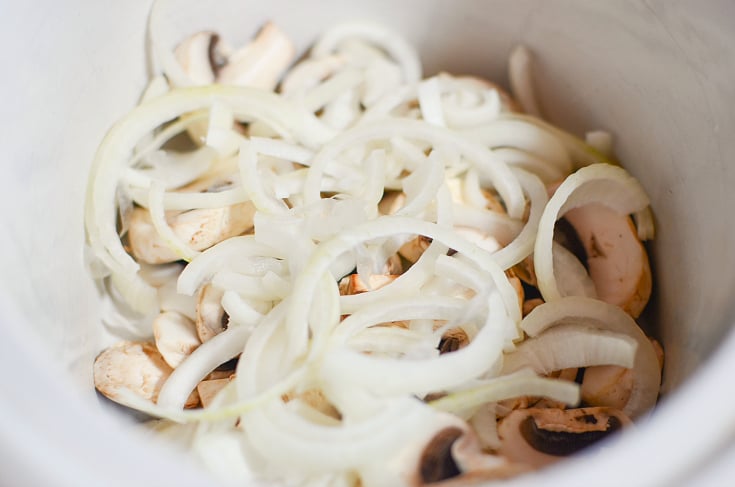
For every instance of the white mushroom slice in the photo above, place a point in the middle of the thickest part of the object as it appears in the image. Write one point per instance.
(135, 366)
(210, 313)
(200, 229)
(195, 55)
(414, 248)
(540, 436)
(392, 202)
(516, 283)
(454, 458)
(175, 337)
(617, 261)
(207, 389)
(353, 284)
(531, 304)
(316, 400)
(609, 385)
(393, 265)
(525, 271)
(262, 62)
(453, 340)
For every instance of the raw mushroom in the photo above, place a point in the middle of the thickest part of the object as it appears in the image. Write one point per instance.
(200, 56)
(414, 248)
(208, 389)
(454, 458)
(531, 304)
(610, 385)
(135, 366)
(516, 283)
(200, 229)
(175, 336)
(315, 399)
(391, 202)
(353, 284)
(453, 340)
(616, 259)
(540, 436)
(261, 63)
(211, 317)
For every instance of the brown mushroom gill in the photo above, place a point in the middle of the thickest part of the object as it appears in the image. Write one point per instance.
(541, 436)
(564, 443)
(436, 463)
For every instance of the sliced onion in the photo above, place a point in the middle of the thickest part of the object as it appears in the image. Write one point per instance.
(605, 184)
(518, 384)
(209, 355)
(591, 312)
(397, 47)
(571, 345)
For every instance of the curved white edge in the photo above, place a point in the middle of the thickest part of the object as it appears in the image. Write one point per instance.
(50, 435)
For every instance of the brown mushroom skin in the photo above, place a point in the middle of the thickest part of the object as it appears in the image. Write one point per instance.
(135, 366)
(540, 436)
(436, 463)
(617, 261)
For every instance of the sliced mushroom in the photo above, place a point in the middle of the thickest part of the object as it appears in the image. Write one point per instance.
(315, 399)
(531, 304)
(262, 62)
(175, 337)
(393, 266)
(414, 248)
(200, 229)
(211, 317)
(541, 436)
(516, 283)
(391, 202)
(135, 366)
(200, 57)
(436, 463)
(610, 385)
(353, 284)
(453, 340)
(208, 389)
(454, 458)
(616, 259)
(526, 271)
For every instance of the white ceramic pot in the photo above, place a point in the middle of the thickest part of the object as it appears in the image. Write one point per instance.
(658, 74)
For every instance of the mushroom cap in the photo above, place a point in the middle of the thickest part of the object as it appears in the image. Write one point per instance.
(210, 313)
(200, 229)
(540, 436)
(617, 261)
(208, 389)
(194, 55)
(262, 62)
(136, 366)
(175, 336)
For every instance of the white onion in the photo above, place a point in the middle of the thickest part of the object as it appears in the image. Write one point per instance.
(326, 389)
(595, 313)
(605, 184)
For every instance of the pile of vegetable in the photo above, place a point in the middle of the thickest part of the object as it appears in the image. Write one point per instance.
(334, 271)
